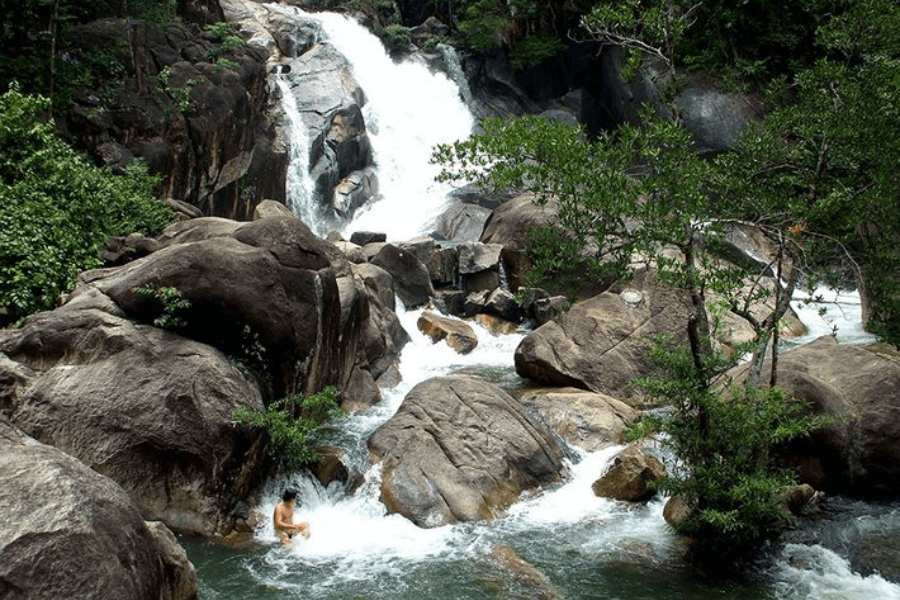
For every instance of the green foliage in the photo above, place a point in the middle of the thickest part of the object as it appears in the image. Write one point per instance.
(395, 37)
(180, 94)
(223, 33)
(822, 164)
(171, 305)
(294, 425)
(58, 208)
(723, 440)
(607, 210)
(158, 12)
(524, 27)
(535, 49)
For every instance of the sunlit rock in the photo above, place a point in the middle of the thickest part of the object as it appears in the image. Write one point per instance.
(601, 344)
(457, 334)
(461, 449)
(589, 420)
(629, 476)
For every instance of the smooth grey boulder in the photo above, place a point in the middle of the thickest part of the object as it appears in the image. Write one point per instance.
(462, 222)
(461, 449)
(69, 532)
(715, 118)
(412, 282)
(146, 407)
(601, 344)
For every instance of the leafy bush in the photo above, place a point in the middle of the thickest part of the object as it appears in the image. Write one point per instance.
(223, 33)
(171, 305)
(723, 441)
(396, 38)
(58, 208)
(293, 425)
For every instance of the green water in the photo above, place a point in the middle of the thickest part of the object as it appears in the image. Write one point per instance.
(617, 566)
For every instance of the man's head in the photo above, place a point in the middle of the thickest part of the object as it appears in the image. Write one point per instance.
(289, 495)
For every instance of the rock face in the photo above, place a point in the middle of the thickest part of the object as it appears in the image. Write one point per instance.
(588, 420)
(202, 126)
(601, 344)
(628, 477)
(71, 533)
(264, 292)
(715, 118)
(461, 449)
(412, 282)
(144, 406)
(271, 304)
(859, 455)
(328, 100)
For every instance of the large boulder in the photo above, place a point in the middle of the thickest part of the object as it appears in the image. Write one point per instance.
(588, 420)
(412, 282)
(715, 118)
(461, 449)
(860, 453)
(508, 226)
(383, 336)
(146, 407)
(69, 532)
(601, 344)
(266, 293)
(630, 475)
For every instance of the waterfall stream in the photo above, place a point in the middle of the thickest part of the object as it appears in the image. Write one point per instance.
(585, 546)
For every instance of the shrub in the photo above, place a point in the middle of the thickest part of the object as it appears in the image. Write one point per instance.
(723, 441)
(293, 425)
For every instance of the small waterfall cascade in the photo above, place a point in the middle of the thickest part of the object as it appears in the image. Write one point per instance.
(299, 188)
(451, 58)
(408, 111)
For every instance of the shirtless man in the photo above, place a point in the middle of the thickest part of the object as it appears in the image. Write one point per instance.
(283, 518)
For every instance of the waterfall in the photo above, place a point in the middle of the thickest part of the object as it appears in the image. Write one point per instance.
(299, 189)
(408, 111)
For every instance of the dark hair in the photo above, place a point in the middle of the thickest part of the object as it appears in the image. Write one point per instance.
(289, 494)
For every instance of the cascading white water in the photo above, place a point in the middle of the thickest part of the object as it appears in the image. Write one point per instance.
(299, 190)
(409, 110)
(826, 311)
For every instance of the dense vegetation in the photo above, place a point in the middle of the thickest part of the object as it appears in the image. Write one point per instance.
(59, 209)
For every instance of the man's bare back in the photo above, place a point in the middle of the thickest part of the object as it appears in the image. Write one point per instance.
(283, 519)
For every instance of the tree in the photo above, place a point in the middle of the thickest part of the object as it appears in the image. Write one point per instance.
(822, 164)
(58, 208)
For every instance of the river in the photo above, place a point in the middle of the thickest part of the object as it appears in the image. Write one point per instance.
(582, 546)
